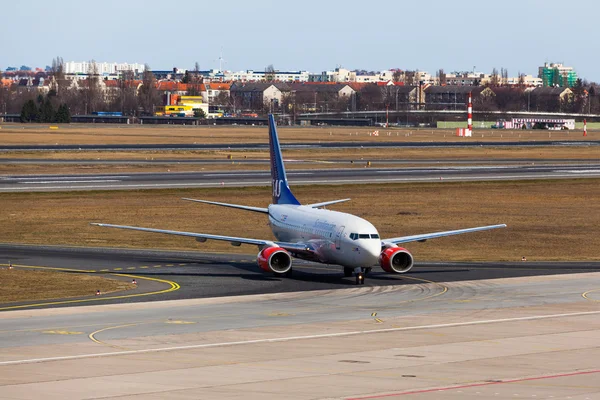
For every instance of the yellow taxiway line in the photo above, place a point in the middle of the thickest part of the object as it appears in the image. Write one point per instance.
(586, 295)
(173, 287)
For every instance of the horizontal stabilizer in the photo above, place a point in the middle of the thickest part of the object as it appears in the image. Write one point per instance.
(326, 203)
(216, 203)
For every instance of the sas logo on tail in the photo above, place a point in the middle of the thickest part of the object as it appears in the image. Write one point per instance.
(277, 187)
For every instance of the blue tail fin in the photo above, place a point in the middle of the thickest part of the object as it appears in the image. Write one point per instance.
(281, 190)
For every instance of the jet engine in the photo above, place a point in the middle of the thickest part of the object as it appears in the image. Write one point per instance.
(274, 259)
(396, 260)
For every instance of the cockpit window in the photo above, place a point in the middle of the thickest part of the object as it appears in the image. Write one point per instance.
(355, 236)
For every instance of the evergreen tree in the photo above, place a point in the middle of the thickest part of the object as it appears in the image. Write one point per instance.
(47, 111)
(29, 112)
(59, 117)
(63, 115)
(186, 77)
(199, 113)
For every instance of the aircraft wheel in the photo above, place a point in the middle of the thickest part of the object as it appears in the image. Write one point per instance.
(360, 278)
(368, 270)
(348, 272)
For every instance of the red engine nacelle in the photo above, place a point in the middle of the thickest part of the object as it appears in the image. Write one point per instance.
(396, 260)
(274, 259)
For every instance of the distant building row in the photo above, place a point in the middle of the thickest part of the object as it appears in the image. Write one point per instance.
(554, 75)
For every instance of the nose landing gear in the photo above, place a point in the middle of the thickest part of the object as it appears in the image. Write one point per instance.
(360, 275)
(360, 278)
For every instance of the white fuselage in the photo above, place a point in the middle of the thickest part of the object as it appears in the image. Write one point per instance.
(335, 237)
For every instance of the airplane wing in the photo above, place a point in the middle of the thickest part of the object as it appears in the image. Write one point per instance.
(326, 203)
(427, 236)
(236, 241)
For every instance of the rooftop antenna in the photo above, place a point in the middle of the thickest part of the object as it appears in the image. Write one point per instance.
(221, 60)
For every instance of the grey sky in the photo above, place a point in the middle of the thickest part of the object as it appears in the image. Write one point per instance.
(307, 35)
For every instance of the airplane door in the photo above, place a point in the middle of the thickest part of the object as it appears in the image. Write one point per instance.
(338, 237)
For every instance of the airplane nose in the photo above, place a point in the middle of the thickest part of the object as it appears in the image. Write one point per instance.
(370, 253)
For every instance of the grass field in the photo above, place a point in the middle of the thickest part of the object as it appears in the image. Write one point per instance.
(11, 134)
(24, 285)
(548, 220)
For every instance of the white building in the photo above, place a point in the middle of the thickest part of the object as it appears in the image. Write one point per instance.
(104, 68)
(259, 76)
(528, 80)
(467, 78)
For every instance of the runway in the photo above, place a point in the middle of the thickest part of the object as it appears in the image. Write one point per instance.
(443, 331)
(299, 145)
(28, 183)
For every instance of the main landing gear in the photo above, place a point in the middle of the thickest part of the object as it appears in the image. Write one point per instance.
(358, 272)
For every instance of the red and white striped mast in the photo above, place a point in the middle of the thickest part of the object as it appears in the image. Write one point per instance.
(470, 116)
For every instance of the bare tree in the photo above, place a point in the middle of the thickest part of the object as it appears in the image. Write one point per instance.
(397, 75)
(369, 98)
(495, 78)
(223, 101)
(126, 95)
(4, 99)
(194, 81)
(442, 77)
(388, 95)
(148, 95)
(57, 76)
(58, 68)
(410, 78)
(503, 76)
(270, 73)
(91, 90)
(521, 80)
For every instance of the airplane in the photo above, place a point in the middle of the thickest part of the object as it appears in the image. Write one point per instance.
(312, 233)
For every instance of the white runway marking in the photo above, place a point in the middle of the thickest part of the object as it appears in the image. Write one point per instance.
(83, 181)
(234, 174)
(581, 171)
(253, 174)
(62, 178)
(302, 182)
(293, 338)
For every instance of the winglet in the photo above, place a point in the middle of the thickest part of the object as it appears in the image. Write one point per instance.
(279, 184)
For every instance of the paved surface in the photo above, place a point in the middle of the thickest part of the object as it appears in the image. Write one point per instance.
(202, 275)
(26, 183)
(265, 146)
(527, 337)
(266, 162)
